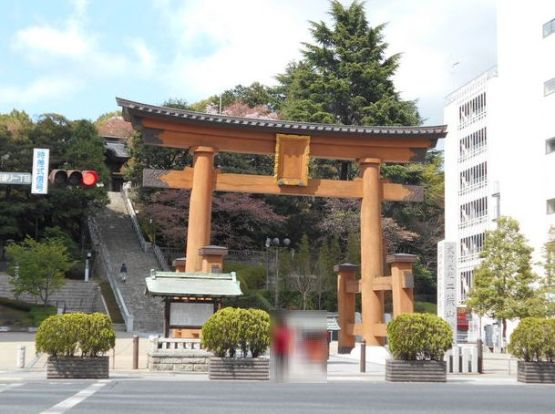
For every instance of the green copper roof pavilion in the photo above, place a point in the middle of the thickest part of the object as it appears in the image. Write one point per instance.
(193, 284)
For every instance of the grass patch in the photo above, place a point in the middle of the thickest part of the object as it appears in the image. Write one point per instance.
(21, 314)
(113, 308)
(38, 313)
(425, 307)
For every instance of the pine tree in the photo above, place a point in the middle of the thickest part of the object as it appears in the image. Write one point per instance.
(503, 280)
(345, 77)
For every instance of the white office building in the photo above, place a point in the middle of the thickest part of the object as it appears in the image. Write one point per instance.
(500, 147)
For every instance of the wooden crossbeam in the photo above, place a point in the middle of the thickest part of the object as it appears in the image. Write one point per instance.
(263, 184)
(381, 283)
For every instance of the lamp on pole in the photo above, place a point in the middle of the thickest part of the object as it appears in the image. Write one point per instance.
(275, 243)
(88, 266)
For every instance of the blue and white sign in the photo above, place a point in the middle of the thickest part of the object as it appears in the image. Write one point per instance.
(41, 159)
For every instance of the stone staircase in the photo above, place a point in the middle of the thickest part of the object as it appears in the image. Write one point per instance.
(74, 296)
(118, 236)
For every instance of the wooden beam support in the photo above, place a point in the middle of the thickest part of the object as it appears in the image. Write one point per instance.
(264, 184)
(381, 283)
(352, 286)
(380, 329)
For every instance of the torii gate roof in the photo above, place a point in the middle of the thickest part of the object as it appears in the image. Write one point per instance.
(179, 128)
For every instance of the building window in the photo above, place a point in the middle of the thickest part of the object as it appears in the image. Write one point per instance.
(471, 246)
(473, 178)
(550, 145)
(473, 144)
(551, 206)
(474, 212)
(549, 28)
(466, 283)
(472, 110)
(549, 87)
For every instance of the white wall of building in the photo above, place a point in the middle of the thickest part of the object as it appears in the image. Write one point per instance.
(518, 119)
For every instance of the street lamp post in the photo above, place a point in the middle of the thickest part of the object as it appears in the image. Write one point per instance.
(275, 243)
(88, 266)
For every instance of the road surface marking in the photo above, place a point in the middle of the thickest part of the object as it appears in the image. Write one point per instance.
(76, 399)
(6, 387)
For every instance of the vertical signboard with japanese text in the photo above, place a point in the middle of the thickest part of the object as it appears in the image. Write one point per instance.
(447, 283)
(39, 183)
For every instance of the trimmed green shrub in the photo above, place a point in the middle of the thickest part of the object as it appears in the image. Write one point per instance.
(220, 333)
(231, 328)
(419, 336)
(534, 340)
(64, 335)
(96, 335)
(258, 332)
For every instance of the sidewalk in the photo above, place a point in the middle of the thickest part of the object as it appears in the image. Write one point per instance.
(341, 367)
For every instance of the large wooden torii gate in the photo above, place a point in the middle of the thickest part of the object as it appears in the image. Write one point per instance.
(292, 143)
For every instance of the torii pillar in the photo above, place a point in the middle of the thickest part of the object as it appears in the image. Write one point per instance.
(371, 250)
(200, 206)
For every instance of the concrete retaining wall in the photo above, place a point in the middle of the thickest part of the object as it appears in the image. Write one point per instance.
(77, 367)
(415, 371)
(257, 369)
(184, 361)
(536, 372)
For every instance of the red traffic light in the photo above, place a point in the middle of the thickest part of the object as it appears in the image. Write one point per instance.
(75, 178)
(90, 178)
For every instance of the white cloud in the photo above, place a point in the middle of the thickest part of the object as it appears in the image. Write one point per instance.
(222, 44)
(51, 41)
(72, 49)
(146, 60)
(40, 89)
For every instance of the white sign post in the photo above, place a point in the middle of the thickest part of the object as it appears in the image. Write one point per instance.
(447, 283)
(41, 159)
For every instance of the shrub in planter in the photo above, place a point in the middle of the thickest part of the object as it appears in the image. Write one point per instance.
(533, 341)
(75, 344)
(418, 343)
(230, 329)
(220, 333)
(419, 336)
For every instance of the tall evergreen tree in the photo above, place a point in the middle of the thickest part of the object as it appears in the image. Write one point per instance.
(345, 77)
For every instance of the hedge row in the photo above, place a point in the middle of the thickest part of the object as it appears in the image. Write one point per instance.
(230, 329)
(65, 335)
(534, 340)
(419, 336)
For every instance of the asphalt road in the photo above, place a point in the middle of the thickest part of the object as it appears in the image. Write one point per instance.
(161, 396)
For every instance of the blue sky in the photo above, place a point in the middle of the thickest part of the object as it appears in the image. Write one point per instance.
(74, 57)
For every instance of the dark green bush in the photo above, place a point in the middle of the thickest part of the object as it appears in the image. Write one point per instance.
(419, 336)
(64, 335)
(231, 328)
(534, 340)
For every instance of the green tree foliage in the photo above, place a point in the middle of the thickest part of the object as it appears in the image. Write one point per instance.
(73, 145)
(301, 273)
(38, 267)
(503, 281)
(419, 336)
(548, 282)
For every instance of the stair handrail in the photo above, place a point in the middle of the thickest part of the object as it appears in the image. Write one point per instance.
(133, 215)
(105, 257)
(161, 258)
